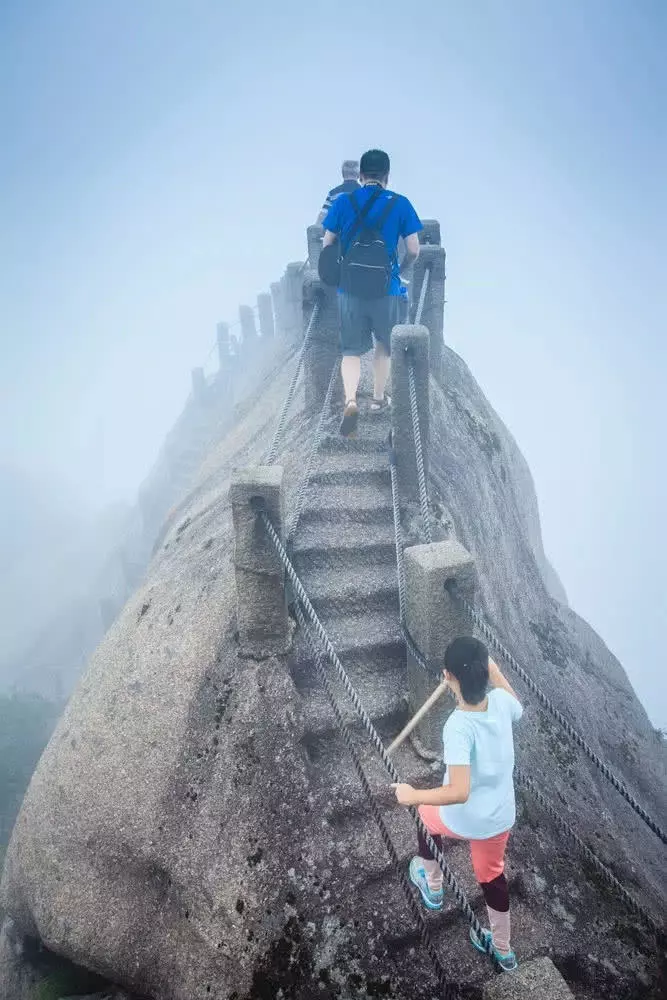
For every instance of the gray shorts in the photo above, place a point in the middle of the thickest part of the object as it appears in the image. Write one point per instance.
(361, 320)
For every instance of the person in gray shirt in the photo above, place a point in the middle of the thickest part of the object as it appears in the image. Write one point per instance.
(350, 171)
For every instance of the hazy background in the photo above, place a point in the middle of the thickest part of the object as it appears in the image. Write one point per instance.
(160, 161)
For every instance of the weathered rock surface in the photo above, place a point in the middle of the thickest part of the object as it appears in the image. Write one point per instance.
(195, 828)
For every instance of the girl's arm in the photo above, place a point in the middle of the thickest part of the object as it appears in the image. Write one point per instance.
(498, 680)
(456, 791)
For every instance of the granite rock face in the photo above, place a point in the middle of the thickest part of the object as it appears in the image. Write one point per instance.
(195, 828)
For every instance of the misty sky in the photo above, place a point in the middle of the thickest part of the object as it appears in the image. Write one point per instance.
(160, 162)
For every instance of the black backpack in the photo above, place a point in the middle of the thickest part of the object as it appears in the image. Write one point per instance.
(364, 270)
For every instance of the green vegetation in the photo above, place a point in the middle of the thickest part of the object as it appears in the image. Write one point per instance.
(26, 723)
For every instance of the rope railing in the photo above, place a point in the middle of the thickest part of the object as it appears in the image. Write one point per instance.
(372, 732)
(422, 296)
(477, 620)
(314, 449)
(449, 991)
(273, 450)
(400, 567)
(574, 735)
(321, 648)
(523, 779)
(419, 454)
(636, 908)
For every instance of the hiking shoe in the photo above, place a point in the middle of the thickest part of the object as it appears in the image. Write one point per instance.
(380, 405)
(432, 897)
(350, 419)
(507, 960)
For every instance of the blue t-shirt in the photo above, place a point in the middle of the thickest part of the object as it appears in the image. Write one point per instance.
(483, 740)
(403, 221)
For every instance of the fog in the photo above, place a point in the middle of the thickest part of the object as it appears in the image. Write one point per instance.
(160, 163)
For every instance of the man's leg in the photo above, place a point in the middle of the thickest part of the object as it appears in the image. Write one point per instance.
(385, 318)
(350, 369)
(381, 364)
(355, 340)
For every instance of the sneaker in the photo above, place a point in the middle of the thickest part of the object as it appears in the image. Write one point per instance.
(507, 960)
(350, 418)
(432, 897)
(380, 405)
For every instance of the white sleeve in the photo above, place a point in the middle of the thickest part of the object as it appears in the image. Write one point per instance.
(511, 704)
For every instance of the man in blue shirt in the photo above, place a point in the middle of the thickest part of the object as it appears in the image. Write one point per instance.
(365, 320)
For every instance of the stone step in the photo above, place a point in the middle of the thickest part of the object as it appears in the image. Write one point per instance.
(363, 630)
(348, 505)
(372, 435)
(319, 537)
(345, 559)
(368, 587)
(336, 789)
(356, 466)
(373, 661)
(386, 705)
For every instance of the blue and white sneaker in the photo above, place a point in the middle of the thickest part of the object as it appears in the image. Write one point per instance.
(507, 960)
(432, 897)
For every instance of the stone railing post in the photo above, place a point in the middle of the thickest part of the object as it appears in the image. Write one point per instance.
(248, 328)
(199, 386)
(432, 259)
(278, 307)
(433, 619)
(222, 336)
(265, 313)
(409, 344)
(430, 232)
(323, 346)
(314, 236)
(293, 292)
(225, 361)
(261, 603)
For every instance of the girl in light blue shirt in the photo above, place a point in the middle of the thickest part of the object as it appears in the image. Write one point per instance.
(476, 800)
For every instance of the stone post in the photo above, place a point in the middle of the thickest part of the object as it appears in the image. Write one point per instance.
(222, 334)
(248, 328)
(430, 232)
(261, 603)
(433, 619)
(293, 286)
(314, 235)
(409, 343)
(322, 349)
(198, 385)
(537, 979)
(278, 307)
(225, 380)
(265, 313)
(432, 260)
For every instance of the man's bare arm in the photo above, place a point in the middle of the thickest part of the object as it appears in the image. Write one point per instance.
(412, 248)
(329, 238)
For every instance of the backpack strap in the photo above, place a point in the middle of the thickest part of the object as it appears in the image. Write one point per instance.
(386, 212)
(360, 213)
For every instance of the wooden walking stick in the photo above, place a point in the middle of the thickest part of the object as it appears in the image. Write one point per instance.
(428, 704)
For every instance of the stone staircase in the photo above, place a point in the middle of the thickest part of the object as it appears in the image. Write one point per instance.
(344, 554)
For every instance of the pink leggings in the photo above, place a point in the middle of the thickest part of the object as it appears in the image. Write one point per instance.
(488, 857)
